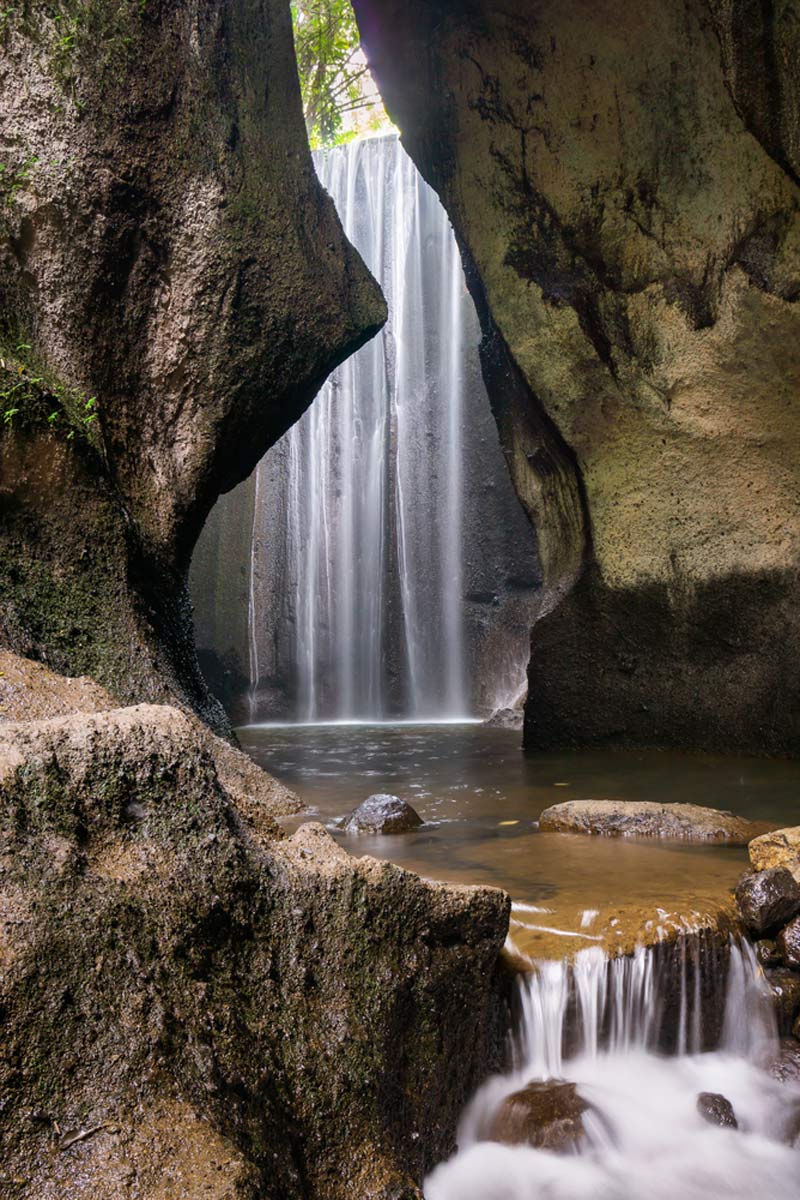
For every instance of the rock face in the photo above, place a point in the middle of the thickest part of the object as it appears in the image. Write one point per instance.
(642, 818)
(219, 1010)
(382, 814)
(717, 1110)
(545, 1114)
(778, 849)
(767, 899)
(174, 288)
(625, 193)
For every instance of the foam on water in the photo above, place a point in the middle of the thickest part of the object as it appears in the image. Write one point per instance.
(598, 1022)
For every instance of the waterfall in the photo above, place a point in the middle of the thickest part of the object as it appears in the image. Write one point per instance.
(603, 1024)
(374, 468)
(392, 573)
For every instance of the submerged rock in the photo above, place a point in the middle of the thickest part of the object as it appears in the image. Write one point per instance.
(717, 1110)
(780, 848)
(546, 1114)
(382, 813)
(645, 818)
(767, 899)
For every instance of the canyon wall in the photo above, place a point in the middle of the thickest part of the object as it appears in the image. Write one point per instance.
(623, 181)
(174, 288)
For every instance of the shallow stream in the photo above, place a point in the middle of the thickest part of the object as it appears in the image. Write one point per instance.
(575, 898)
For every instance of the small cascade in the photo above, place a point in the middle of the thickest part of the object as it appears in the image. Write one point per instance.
(603, 1024)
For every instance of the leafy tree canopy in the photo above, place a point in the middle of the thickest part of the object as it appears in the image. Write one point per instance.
(334, 79)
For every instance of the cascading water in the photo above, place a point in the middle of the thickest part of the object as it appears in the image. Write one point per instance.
(382, 515)
(599, 1023)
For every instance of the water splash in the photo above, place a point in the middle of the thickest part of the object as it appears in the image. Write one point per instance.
(599, 1023)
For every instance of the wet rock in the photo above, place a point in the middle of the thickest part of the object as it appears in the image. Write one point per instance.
(785, 988)
(644, 818)
(788, 943)
(506, 718)
(382, 813)
(165, 975)
(717, 1110)
(767, 953)
(785, 1067)
(781, 848)
(545, 1114)
(767, 899)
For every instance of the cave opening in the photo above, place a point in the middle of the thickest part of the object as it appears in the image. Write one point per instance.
(377, 565)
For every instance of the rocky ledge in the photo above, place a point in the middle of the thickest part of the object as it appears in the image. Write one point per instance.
(194, 1002)
(643, 818)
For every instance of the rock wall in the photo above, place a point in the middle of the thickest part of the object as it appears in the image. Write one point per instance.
(624, 186)
(174, 287)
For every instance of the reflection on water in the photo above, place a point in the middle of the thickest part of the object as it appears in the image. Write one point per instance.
(480, 796)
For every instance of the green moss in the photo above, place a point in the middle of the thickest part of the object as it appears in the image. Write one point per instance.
(33, 397)
(96, 36)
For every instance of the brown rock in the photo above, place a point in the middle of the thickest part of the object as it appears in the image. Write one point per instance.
(767, 899)
(785, 988)
(164, 978)
(382, 814)
(545, 1114)
(767, 953)
(788, 943)
(643, 818)
(780, 848)
(717, 1110)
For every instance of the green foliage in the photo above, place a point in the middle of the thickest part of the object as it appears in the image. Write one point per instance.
(35, 398)
(333, 75)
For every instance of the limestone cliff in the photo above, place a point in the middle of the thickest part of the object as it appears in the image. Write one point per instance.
(174, 287)
(623, 181)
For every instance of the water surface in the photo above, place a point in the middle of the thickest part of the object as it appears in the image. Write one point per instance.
(480, 796)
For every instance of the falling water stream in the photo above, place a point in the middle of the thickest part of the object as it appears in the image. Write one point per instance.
(600, 1023)
(392, 571)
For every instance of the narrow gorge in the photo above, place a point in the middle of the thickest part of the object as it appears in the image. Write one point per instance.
(399, 581)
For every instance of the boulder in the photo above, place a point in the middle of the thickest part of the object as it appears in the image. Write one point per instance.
(165, 977)
(646, 818)
(546, 1114)
(717, 1110)
(382, 813)
(780, 848)
(788, 943)
(767, 899)
(506, 718)
(785, 988)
